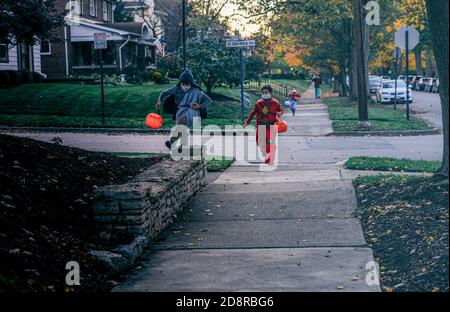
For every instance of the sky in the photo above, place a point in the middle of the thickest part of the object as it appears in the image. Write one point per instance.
(239, 23)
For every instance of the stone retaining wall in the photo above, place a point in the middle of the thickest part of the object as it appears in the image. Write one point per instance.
(147, 204)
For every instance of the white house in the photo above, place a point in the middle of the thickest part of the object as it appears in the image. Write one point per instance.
(20, 57)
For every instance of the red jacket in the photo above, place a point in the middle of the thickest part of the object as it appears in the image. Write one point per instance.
(295, 96)
(266, 111)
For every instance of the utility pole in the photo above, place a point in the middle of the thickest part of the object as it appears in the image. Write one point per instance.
(360, 64)
(183, 18)
(241, 61)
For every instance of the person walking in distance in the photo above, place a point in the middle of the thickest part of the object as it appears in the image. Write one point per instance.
(317, 83)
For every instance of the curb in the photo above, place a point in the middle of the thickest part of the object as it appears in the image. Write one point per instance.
(433, 131)
(107, 130)
(86, 130)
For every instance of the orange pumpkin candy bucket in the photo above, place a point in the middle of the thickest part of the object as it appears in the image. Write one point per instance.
(154, 121)
(282, 126)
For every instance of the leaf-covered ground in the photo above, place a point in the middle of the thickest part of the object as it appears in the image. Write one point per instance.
(46, 213)
(405, 221)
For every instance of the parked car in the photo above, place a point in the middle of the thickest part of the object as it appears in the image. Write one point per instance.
(420, 86)
(414, 81)
(403, 77)
(386, 77)
(374, 84)
(386, 93)
(435, 88)
(430, 84)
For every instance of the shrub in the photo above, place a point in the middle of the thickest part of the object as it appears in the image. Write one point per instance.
(145, 76)
(37, 78)
(15, 77)
(4, 78)
(26, 76)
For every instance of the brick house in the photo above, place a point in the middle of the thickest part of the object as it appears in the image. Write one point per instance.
(130, 45)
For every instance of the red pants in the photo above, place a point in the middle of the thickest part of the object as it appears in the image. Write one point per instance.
(269, 139)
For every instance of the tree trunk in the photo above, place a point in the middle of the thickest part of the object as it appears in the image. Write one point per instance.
(438, 21)
(429, 63)
(366, 54)
(361, 63)
(354, 78)
(418, 58)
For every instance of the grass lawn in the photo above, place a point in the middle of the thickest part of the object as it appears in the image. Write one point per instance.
(405, 221)
(344, 115)
(78, 105)
(300, 85)
(279, 93)
(212, 163)
(392, 164)
(218, 165)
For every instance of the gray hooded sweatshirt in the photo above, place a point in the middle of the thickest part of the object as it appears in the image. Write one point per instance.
(184, 100)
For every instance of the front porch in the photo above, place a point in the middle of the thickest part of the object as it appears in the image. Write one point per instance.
(130, 48)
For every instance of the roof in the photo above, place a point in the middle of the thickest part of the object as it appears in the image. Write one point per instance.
(134, 4)
(131, 27)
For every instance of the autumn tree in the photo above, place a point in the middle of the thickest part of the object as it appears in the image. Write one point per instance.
(27, 21)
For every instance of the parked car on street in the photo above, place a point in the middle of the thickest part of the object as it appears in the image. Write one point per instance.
(403, 77)
(435, 88)
(414, 81)
(386, 77)
(374, 84)
(386, 93)
(429, 85)
(420, 86)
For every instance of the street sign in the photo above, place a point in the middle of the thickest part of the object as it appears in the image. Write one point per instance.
(240, 43)
(413, 37)
(100, 44)
(407, 38)
(100, 41)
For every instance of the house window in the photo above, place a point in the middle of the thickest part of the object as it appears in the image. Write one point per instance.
(46, 47)
(93, 7)
(105, 11)
(76, 6)
(4, 53)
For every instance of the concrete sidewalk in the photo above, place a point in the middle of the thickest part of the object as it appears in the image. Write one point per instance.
(294, 229)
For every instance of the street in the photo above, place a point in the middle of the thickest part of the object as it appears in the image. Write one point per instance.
(426, 106)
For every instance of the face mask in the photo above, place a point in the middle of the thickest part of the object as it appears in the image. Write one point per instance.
(266, 96)
(185, 88)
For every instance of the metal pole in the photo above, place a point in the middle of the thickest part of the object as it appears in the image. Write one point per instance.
(396, 78)
(241, 59)
(102, 85)
(183, 17)
(407, 74)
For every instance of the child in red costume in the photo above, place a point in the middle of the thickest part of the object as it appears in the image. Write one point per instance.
(267, 111)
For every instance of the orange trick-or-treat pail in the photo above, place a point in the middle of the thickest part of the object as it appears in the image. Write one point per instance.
(154, 121)
(282, 126)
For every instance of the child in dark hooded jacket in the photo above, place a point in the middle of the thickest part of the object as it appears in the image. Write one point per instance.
(189, 99)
